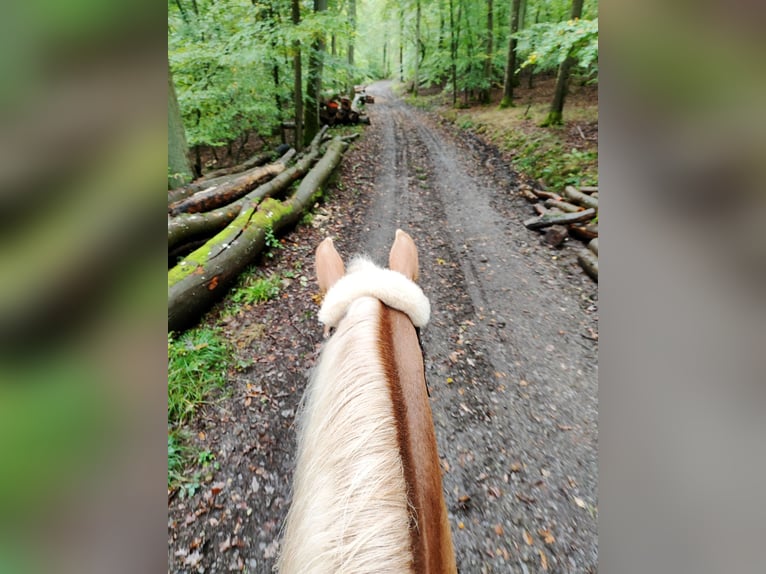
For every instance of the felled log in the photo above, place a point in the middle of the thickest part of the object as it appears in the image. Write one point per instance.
(593, 245)
(539, 209)
(584, 232)
(255, 161)
(542, 194)
(580, 198)
(205, 275)
(559, 219)
(563, 206)
(231, 191)
(589, 190)
(589, 262)
(188, 227)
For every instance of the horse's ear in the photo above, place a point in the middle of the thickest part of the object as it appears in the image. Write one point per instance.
(404, 256)
(329, 265)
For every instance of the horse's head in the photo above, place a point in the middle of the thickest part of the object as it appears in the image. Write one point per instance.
(394, 286)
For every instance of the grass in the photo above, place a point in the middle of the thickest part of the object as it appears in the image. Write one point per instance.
(538, 153)
(197, 365)
(256, 290)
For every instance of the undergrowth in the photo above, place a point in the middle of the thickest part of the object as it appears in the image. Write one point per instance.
(197, 364)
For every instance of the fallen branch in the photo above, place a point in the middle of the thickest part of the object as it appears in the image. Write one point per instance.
(205, 275)
(553, 219)
(589, 189)
(593, 245)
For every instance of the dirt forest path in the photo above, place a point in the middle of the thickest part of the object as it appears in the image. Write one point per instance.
(513, 381)
(511, 362)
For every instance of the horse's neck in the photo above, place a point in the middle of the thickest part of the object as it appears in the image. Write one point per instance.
(431, 540)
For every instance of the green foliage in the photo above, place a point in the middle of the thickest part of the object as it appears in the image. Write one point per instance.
(546, 45)
(543, 156)
(257, 290)
(197, 363)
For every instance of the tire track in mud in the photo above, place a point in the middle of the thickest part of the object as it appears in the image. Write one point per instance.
(513, 386)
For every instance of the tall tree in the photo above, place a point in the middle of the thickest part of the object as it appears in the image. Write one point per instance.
(314, 80)
(510, 68)
(416, 80)
(179, 167)
(297, 79)
(487, 89)
(555, 115)
(352, 24)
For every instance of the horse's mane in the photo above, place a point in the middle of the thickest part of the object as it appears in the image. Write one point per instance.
(350, 511)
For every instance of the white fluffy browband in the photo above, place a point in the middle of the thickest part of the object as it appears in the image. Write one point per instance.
(364, 278)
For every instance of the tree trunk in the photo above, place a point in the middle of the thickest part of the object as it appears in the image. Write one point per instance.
(555, 115)
(179, 167)
(352, 24)
(453, 50)
(416, 80)
(297, 80)
(314, 81)
(217, 196)
(486, 93)
(548, 220)
(204, 276)
(510, 68)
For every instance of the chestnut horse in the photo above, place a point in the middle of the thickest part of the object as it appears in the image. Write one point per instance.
(367, 494)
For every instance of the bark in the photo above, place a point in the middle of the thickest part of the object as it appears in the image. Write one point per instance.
(217, 196)
(563, 205)
(188, 227)
(580, 198)
(589, 262)
(548, 220)
(510, 68)
(204, 276)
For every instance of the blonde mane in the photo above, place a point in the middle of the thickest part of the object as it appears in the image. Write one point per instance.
(350, 509)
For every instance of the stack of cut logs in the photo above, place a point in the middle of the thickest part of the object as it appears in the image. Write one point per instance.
(218, 226)
(570, 215)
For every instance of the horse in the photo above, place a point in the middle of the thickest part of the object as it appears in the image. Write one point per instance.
(367, 492)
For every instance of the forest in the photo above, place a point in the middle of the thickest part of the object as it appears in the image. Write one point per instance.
(240, 70)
